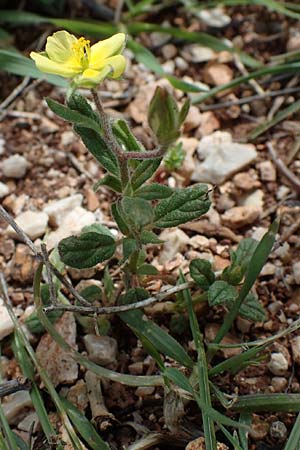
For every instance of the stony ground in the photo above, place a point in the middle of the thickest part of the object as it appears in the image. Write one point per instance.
(46, 183)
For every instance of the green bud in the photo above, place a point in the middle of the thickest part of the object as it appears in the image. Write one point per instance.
(164, 117)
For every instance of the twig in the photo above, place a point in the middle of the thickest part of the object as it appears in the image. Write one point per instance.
(250, 99)
(78, 166)
(12, 386)
(118, 11)
(7, 217)
(283, 168)
(244, 71)
(150, 154)
(122, 308)
(14, 94)
(52, 292)
(280, 100)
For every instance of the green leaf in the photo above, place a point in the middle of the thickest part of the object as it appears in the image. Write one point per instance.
(182, 206)
(148, 237)
(126, 137)
(96, 145)
(73, 116)
(162, 341)
(84, 426)
(202, 273)
(137, 211)
(109, 181)
(144, 171)
(97, 228)
(220, 293)
(118, 216)
(129, 247)
(79, 103)
(91, 293)
(108, 284)
(147, 269)
(154, 191)
(251, 309)
(240, 258)
(178, 378)
(174, 157)
(86, 250)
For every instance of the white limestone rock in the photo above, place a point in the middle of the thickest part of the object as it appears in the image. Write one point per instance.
(221, 157)
(33, 223)
(57, 211)
(15, 166)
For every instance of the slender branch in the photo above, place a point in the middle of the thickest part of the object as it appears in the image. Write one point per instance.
(122, 308)
(23, 236)
(52, 290)
(158, 153)
(294, 180)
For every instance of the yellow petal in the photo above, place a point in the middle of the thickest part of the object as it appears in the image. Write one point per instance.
(45, 64)
(105, 49)
(90, 78)
(59, 46)
(118, 65)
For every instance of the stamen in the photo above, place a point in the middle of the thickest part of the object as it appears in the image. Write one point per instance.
(81, 49)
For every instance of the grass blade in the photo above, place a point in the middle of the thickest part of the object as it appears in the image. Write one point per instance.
(84, 426)
(267, 402)
(246, 419)
(9, 436)
(204, 390)
(294, 438)
(294, 107)
(256, 263)
(231, 439)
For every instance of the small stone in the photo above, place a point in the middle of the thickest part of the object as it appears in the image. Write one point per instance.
(2, 145)
(101, 349)
(295, 345)
(244, 325)
(30, 423)
(33, 223)
(245, 181)
(210, 333)
(222, 157)
(217, 74)
(214, 17)
(193, 119)
(197, 53)
(58, 210)
(282, 192)
(181, 63)
(278, 431)
(259, 233)
(256, 199)
(278, 364)
(78, 395)
(199, 444)
(59, 364)
(209, 124)
(23, 264)
(174, 241)
(279, 384)
(136, 368)
(267, 270)
(159, 39)
(259, 430)
(169, 51)
(144, 391)
(4, 190)
(15, 166)
(6, 324)
(92, 200)
(296, 272)
(239, 216)
(67, 138)
(16, 405)
(267, 171)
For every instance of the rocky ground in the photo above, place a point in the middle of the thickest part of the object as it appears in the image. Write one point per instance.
(46, 184)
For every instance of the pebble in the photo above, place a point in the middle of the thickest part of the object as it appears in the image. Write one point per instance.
(2, 145)
(256, 199)
(4, 190)
(222, 157)
(282, 192)
(72, 224)
(259, 430)
(30, 422)
(296, 272)
(57, 211)
(169, 51)
(136, 368)
(199, 444)
(174, 241)
(23, 264)
(295, 345)
(6, 324)
(267, 171)
(58, 363)
(180, 63)
(15, 166)
(245, 181)
(101, 349)
(239, 216)
(279, 384)
(278, 431)
(197, 53)
(33, 223)
(217, 74)
(16, 405)
(67, 138)
(193, 119)
(214, 17)
(210, 333)
(278, 364)
(144, 391)
(78, 395)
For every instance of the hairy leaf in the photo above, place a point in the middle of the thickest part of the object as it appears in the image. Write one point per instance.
(202, 273)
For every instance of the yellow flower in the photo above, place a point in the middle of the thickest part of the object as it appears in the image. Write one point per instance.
(69, 57)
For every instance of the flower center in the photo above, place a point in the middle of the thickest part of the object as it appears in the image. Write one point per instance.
(82, 51)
